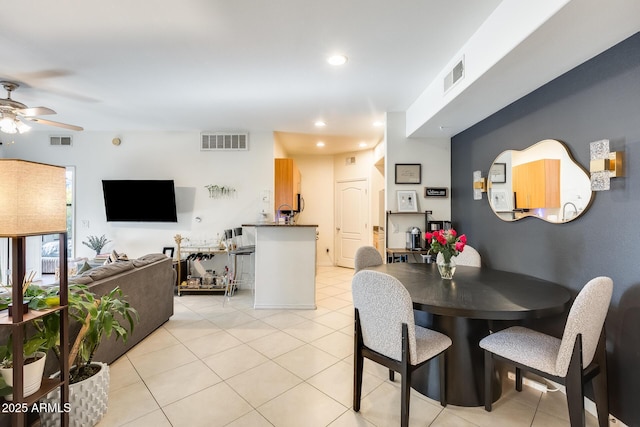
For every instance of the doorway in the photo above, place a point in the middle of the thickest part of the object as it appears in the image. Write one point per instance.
(352, 220)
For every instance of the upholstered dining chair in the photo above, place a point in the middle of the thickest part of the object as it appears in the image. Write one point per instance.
(469, 256)
(366, 256)
(385, 332)
(574, 360)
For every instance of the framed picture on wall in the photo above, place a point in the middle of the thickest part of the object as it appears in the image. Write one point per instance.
(407, 201)
(500, 200)
(408, 173)
(168, 251)
(498, 173)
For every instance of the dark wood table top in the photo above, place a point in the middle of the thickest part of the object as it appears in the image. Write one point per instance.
(479, 293)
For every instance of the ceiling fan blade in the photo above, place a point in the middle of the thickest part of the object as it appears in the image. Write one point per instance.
(52, 123)
(35, 111)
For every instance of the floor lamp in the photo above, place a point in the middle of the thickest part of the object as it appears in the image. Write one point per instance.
(33, 202)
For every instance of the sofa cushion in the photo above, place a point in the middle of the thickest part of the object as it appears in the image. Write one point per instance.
(148, 259)
(109, 270)
(80, 280)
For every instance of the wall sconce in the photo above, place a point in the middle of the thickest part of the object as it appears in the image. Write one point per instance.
(604, 165)
(479, 185)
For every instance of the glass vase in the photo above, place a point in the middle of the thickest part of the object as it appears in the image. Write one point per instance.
(447, 269)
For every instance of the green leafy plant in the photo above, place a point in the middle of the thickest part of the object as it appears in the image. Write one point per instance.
(43, 334)
(100, 318)
(96, 243)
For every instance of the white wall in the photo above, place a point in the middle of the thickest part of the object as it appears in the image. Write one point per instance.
(157, 155)
(317, 191)
(176, 155)
(319, 177)
(434, 154)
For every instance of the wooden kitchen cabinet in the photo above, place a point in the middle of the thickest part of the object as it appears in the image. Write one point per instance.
(537, 184)
(287, 184)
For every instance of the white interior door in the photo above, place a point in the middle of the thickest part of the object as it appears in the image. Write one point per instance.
(352, 213)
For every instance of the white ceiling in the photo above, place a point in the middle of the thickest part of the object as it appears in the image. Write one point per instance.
(232, 65)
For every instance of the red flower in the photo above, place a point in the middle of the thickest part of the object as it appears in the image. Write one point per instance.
(446, 242)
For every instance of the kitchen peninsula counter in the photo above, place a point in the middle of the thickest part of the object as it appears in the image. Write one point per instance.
(285, 266)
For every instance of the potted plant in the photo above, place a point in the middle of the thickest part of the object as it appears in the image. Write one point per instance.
(96, 243)
(43, 335)
(89, 380)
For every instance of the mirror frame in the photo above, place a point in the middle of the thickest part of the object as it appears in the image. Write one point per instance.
(501, 194)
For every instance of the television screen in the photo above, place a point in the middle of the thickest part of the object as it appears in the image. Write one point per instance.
(140, 200)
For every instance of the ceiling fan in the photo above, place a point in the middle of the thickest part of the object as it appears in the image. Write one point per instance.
(13, 114)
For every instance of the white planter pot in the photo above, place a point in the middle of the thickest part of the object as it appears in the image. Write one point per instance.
(31, 375)
(88, 401)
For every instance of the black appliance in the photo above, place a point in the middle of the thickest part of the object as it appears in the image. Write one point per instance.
(414, 239)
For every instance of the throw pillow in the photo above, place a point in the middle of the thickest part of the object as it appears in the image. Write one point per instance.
(84, 267)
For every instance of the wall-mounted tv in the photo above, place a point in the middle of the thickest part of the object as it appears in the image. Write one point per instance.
(140, 200)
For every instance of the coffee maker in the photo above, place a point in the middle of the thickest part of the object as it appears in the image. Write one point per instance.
(414, 239)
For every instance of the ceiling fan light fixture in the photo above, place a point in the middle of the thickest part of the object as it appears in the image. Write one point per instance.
(8, 124)
(22, 127)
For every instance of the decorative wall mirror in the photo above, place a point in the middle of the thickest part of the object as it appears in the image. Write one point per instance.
(541, 181)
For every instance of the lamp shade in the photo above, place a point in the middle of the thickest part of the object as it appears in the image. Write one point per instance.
(33, 198)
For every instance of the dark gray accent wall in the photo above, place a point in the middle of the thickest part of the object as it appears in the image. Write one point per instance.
(599, 99)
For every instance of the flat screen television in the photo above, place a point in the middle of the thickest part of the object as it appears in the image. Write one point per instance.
(139, 200)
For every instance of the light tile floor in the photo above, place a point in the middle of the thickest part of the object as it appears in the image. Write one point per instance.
(231, 365)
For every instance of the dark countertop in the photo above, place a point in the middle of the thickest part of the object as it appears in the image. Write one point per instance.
(273, 224)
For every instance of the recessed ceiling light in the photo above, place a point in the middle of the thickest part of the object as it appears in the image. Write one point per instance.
(320, 124)
(378, 124)
(337, 60)
(320, 144)
(362, 144)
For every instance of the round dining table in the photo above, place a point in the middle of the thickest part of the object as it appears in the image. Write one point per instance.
(465, 308)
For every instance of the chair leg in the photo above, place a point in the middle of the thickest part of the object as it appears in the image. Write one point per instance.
(357, 380)
(599, 383)
(518, 379)
(443, 378)
(358, 364)
(405, 386)
(488, 374)
(392, 375)
(405, 395)
(574, 385)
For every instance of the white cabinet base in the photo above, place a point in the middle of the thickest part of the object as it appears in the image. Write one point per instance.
(285, 263)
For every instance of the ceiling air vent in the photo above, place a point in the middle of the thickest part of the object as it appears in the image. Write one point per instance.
(219, 141)
(454, 76)
(60, 140)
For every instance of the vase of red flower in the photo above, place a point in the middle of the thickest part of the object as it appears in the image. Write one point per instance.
(449, 244)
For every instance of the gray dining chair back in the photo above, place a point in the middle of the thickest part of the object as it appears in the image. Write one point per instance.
(366, 256)
(385, 332)
(384, 304)
(575, 359)
(586, 317)
(469, 256)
